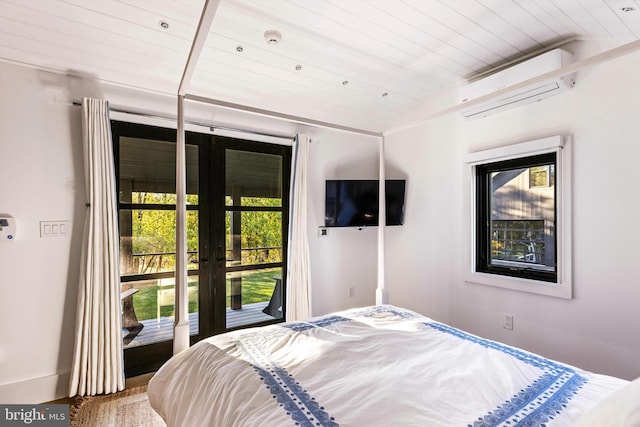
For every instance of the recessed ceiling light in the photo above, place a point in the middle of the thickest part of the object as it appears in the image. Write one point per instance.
(628, 9)
(239, 48)
(164, 25)
(346, 82)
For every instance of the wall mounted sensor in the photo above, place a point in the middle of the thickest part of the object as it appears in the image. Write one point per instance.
(7, 228)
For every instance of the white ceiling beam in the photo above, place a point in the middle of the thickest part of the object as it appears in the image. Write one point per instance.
(206, 19)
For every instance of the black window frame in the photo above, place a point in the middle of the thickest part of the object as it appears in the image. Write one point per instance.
(483, 219)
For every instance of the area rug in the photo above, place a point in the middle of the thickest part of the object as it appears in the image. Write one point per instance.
(128, 408)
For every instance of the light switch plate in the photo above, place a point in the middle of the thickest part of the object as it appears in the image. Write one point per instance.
(54, 229)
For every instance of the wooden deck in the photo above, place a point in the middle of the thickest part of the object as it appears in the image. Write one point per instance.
(156, 330)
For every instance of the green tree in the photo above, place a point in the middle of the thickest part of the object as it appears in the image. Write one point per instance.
(154, 240)
(262, 230)
(154, 232)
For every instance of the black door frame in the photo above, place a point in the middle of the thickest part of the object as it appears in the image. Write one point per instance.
(217, 249)
(212, 278)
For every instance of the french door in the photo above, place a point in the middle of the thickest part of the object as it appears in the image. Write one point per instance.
(237, 222)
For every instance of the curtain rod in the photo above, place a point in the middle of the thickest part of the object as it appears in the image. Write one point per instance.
(212, 128)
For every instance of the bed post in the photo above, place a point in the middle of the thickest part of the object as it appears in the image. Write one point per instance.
(181, 322)
(381, 293)
(181, 319)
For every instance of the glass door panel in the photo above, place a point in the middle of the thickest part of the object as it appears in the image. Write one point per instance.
(147, 211)
(148, 318)
(257, 295)
(253, 237)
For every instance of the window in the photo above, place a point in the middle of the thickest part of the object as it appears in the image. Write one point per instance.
(519, 239)
(542, 176)
(515, 235)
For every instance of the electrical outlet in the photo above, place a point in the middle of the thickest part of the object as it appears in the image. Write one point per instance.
(351, 292)
(507, 322)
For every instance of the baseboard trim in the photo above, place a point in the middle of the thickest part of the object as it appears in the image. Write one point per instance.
(36, 390)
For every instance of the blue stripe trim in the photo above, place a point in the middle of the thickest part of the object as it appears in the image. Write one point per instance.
(289, 393)
(528, 358)
(540, 401)
(330, 320)
(321, 323)
(294, 399)
(534, 405)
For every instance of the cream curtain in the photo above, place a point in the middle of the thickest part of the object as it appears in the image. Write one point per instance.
(298, 272)
(97, 360)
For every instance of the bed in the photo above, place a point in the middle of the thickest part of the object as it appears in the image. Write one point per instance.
(373, 366)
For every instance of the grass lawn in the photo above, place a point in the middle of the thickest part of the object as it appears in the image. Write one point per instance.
(257, 286)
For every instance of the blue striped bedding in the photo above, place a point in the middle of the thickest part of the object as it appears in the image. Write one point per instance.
(375, 366)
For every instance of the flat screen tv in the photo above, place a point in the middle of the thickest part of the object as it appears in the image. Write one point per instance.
(354, 203)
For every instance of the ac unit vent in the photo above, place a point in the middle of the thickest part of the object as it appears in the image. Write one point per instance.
(514, 76)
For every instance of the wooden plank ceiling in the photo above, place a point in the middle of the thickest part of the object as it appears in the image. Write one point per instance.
(364, 64)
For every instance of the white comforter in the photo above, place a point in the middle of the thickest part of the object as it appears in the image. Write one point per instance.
(377, 366)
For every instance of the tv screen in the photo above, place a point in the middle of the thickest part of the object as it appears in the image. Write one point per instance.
(354, 203)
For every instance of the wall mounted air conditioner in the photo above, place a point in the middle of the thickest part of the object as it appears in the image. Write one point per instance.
(522, 94)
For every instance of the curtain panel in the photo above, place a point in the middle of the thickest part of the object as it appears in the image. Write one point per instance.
(98, 359)
(298, 271)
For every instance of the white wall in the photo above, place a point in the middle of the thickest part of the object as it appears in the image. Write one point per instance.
(346, 256)
(42, 178)
(597, 329)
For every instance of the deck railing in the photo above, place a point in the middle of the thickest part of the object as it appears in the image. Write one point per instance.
(155, 262)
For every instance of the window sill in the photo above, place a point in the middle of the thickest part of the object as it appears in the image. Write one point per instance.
(558, 290)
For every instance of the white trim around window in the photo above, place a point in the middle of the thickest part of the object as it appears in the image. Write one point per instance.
(561, 145)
